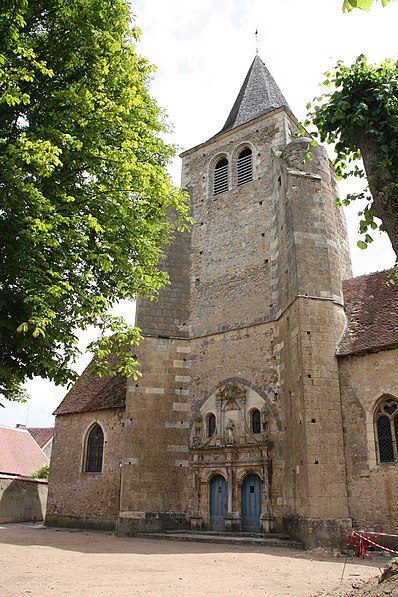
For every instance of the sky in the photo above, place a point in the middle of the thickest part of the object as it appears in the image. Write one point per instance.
(203, 50)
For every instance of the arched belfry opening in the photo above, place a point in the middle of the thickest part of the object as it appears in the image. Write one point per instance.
(244, 166)
(231, 463)
(220, 176)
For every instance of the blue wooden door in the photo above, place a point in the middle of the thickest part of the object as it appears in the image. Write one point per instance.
(251, 504)
(218, 503)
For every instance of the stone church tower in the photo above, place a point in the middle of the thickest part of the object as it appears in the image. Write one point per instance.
(236, 422)
(265, 404)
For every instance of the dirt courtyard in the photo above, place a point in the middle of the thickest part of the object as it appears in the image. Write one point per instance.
(39, 561)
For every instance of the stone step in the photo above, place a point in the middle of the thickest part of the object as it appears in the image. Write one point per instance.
(229, 538)
(236, 534)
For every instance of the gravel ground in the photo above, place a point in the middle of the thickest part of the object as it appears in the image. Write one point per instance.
(41, 561)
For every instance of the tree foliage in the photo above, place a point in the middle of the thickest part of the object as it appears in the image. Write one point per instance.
(42, 472)
(359, 114)
(349, 5)
(84, 195)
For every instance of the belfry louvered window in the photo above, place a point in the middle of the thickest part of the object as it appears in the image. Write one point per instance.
(244, 167)
(220, 181)
(386, 429)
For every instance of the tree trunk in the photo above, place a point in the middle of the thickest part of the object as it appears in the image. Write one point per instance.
(385, 200)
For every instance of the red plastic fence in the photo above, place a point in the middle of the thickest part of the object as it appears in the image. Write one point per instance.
(363, 538)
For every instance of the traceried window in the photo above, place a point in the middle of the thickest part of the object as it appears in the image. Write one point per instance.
(94, 450)
(255, 421)
(211, 425)
(244, 167)
(386, 430)
(220, 179)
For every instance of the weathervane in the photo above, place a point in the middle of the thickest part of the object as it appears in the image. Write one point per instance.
(256, 36)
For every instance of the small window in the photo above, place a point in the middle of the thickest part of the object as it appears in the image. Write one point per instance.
(95, 448)
(386, 429)
(211, 425)
(244, 167)
(255, 420)
(220, 182)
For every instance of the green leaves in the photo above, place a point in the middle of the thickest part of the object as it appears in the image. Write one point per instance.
(84, 193)
(42, 472)
(349, 5)
(359, 115)
(113, 349)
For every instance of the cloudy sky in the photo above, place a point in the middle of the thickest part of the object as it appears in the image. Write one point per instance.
(203, 50)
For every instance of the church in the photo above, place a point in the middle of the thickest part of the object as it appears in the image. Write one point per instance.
(269, 396)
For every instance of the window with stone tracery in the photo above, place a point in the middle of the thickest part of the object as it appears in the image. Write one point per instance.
(94, 450)
(386, 430)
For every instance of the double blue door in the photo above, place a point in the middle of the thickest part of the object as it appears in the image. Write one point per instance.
(251, 504)
(218, 503)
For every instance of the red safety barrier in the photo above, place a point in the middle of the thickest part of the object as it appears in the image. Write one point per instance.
(360, 539)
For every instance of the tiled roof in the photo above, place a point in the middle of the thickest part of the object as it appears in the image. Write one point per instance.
(94, 393)
(41, 435)
(372, 314)
(19, 453)
(259, 94)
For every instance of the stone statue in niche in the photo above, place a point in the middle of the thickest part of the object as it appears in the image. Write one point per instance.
(230, 432)
(195, 441)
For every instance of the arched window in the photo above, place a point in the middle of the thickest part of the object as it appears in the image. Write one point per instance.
(220, 180)
(244, 167)
(211, 425)
(94, 450)
(386, 429)
(255, 421)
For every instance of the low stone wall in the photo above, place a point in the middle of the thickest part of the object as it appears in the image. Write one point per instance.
(22, 499)
(314, 533)
(131, 523)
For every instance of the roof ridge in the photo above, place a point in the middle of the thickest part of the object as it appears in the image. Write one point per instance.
(370, 274)
(13, 428)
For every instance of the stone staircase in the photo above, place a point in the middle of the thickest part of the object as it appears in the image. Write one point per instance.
(254, 539)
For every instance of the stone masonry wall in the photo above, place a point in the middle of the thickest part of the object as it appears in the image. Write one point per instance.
(156, 479)
(77, 498)
(22, 499)
(168, 316)
(372, 487)
(313, 260)
(314, 484)
(233, 240)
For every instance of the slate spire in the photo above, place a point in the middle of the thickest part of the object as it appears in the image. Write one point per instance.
(259, 94)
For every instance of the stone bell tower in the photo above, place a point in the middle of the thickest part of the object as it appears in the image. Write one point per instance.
(236, 423)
